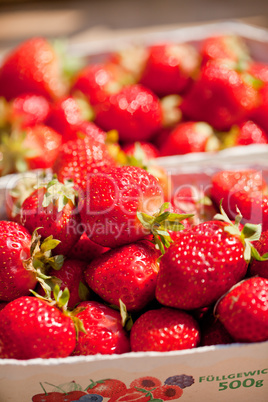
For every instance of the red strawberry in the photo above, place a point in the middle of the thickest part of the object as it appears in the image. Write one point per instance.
(106, 388)
(250, 133)
(52, 208)
(131, 394)
(214, 333)
(31, 327)
(244, 310)
(190, 137)
(126, 273)
(19, 255)
(259, 114)
(86, 250)
(141, 150)
(163, 330)
(78, 159)
(34, 67)
(28, 110)
(220, 96)
(205, 261)
(98, 81)
(90, 129)
(104, 331)
(170, 68)
(67, 114)
(224, 47)
(260, 268)
(37, 148)
(135, 112)
(117, 206)
(167, 392)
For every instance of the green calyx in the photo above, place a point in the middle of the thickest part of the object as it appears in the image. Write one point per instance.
(248, 234)
(60, 193)
(161, 223)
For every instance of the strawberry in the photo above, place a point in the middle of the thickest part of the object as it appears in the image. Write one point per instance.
(132, 394)
(170, 68)
(250, 133)
(90, 129)
(33, 66)
(205, 261)
(104, 331)
(190, 137)
(31, 328)
(28, 110)
(20, 256)
(123, 205)
(224, 47)
(98, 81)
(127, 273)
(260, 268)
(67, 114)
(135, 112)
(85, 249)
(37, 148)
(141, 150)
(260, 112)
(80, 158)
(220, 96)
(52, 207)
(214, 333)
(163, 330)
(106, 387)
(244, 310)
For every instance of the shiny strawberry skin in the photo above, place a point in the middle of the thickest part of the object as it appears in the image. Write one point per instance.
(61, 225)
(128, 273)
(250, 133)
(260, 268)
(220, 97)
(109, 210)
(28, 110)
(200, 266)
(86, 250)
(163, 330)
(79, 159)
(244, 310)
(105, 334)
(32, 328)
(15, 244)
(135, 112)
(33, 67)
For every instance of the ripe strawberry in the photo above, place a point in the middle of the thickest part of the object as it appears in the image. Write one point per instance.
(190, 137)
(135, 112)
(163, 330)
(37, 148)
(170, 68)
(220, 96)
(260, 268)
(106, 387)
(98, 81)
(250, 133)
(78, 159)
(123, 205)
(20, 254)
(31, 328)
(141, 150)
(259, 114)
(34, 67)
(53, 208)
(104, 331)
(213, 332)
(244, 310)
(90, 129)
(224, 47)
(86, 250)
(67, 114)
(127, 273)
(205, 261)
(167, 392)
(28, 110)
(132, 394)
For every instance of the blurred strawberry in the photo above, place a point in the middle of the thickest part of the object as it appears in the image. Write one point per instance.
(246, 133)
(86, 250)
(260, 268)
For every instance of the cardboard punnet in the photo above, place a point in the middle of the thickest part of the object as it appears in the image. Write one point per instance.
(236, 372)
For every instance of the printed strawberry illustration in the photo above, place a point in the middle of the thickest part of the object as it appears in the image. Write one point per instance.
(79, 159)
(132, 394)
(135, 112)
(104, 332)
(24, 261)
(243, 310)
(33, 66)
(218, 252)
(53, 208)
(167, 392)
(107, 387)
(170, 68)
(130, 273)
(220, 96)
(146, 382)
(46, 333)
(163, 330)
(189, 137)
(260, 268)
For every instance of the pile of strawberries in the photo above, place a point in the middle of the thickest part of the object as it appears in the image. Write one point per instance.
(102, 253)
